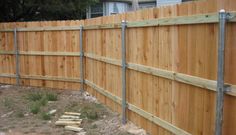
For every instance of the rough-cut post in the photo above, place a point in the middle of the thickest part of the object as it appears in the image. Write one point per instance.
(17, 57)
(81, 59)
(220, 75)
(123, 38)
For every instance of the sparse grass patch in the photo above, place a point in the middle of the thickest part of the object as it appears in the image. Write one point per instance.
(93, 115)
(8, 103)
(89, 112)
(50, 96)
(32, 112)
(43, 101)
(34, 96)
(26, 132)
(94, 126)
(37, 96)
(98, 105)
(35, 108)
(45, 116)
(40, 99)
(73, 106)
(124, 133)
(19, 114)
(4, 129)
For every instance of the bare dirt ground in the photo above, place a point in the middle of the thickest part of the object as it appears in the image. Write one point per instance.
(21, 114)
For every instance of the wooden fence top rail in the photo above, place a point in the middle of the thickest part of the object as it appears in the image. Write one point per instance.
(179, 20)
(51, 78)
(40, 53)
(41, 77)
(6, 52)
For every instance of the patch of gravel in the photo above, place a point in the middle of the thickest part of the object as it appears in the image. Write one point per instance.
(133, 129)
(89, 97)
(5, 86)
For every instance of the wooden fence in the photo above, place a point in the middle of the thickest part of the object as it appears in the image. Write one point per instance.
(171, 63)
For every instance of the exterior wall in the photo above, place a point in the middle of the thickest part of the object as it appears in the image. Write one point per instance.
(115, 7)
(143, 5)
(167, 2)
(108, 8)
(95, 11)
(111, 8)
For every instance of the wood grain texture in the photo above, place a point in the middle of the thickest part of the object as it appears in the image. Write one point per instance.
(181, 49)
(43, 53)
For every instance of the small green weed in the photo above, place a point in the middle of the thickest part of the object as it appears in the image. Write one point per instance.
(89, 112)
(35, 108)
(40, 99)
(34, 96)
(43, 101)
(92, 115)
(51, 96)
(98, 106)
(94, 126)
(45, 116)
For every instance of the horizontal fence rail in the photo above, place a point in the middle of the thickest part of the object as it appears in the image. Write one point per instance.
(51, 78)
(158, 121)
(7, 52)
(183, 78)
(8, 75)
(181, 20)
(35, 53)
(40, 77)
(41, 53)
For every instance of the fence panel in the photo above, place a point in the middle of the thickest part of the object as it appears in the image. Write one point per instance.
(171, 63)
